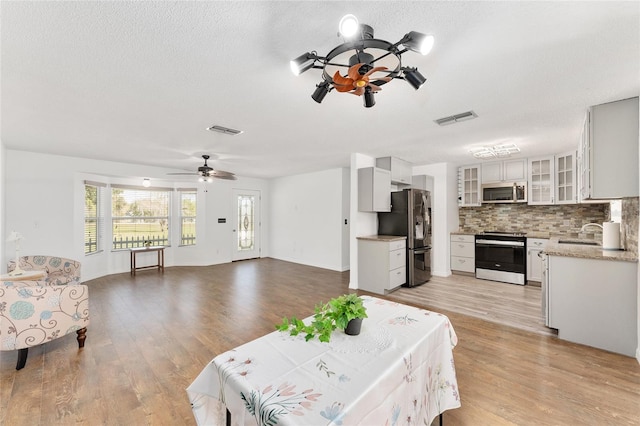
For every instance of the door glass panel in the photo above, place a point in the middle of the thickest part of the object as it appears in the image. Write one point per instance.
(246, 228)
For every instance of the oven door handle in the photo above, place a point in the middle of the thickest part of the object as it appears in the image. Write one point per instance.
(500, 243)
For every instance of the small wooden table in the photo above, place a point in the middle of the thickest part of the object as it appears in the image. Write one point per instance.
(30, 275)
(135, 251)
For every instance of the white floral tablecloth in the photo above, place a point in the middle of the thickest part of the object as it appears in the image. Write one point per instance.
(399, 370)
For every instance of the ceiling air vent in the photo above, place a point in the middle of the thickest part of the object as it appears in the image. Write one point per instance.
(225, 130)
(463, 116)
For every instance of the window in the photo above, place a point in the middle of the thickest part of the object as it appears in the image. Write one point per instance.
(140, 216)
(188, 217)
(615, 207)
(93, 217)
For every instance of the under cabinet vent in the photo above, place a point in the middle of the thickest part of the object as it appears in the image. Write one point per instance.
(225, 130)
(463, 116)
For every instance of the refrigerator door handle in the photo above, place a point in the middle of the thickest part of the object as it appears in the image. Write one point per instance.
(421, 250)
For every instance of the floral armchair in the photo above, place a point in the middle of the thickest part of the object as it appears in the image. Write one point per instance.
(59, 269)
(36, 312)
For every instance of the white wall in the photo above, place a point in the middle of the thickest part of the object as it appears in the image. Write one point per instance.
(44, 200)
(308, 219)
(444, 208)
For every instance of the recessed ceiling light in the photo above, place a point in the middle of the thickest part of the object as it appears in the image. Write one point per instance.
(225, 130)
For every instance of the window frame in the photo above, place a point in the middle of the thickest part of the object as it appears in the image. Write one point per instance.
(98, 218)
(136, 195)
(192, 192)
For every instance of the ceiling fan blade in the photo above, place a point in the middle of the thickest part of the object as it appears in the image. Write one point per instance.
(226, 177)
(339, 80)
(344, 88)
(353, 72)
(374, 88)
(218, 173)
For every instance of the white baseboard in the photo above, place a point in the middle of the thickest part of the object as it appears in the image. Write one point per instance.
(638, 355)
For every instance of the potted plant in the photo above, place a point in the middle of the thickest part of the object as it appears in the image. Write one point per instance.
(344, 313)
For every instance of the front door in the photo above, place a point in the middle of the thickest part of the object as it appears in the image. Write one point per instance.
(246, 224)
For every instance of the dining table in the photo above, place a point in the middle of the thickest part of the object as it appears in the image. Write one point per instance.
(398, 370)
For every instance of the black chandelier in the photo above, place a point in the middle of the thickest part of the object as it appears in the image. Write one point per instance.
(369, 62)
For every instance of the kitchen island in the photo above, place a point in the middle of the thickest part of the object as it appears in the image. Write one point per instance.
(591, 295)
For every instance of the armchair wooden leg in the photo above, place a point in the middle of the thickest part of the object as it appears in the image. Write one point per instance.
(82, 336)
(22, 358)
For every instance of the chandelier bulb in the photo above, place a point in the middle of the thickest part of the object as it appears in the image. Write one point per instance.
(348, 26)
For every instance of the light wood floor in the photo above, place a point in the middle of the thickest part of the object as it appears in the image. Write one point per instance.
(514, 305)
(151, 335)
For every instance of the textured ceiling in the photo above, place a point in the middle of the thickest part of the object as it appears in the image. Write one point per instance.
(139, 82)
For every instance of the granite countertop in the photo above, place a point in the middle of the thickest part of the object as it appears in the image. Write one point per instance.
(543, 235)
(463, 233)
(528, 234)
(554, 248)
(383, 238)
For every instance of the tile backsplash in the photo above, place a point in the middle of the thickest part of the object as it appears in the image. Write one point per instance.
(555, 220)
(629, 238)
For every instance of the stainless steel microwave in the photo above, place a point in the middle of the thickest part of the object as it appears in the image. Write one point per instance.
(504, 192)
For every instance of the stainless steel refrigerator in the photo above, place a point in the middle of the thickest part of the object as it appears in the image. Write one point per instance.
(411, 216)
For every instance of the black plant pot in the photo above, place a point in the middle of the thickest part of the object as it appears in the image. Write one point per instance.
(353, 327)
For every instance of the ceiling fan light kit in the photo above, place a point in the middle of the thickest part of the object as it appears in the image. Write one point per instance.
(369, 63)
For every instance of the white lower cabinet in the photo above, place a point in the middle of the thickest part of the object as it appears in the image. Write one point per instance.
(463, 253)
(381, 263)
(535, 246)
(594, 302)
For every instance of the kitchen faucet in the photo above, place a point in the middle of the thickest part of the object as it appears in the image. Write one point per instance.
(590, 224)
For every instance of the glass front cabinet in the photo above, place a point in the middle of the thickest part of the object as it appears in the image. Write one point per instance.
(566, 188)
(469, 186)
(541, 178)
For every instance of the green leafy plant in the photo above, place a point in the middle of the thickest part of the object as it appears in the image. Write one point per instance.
(335, 314)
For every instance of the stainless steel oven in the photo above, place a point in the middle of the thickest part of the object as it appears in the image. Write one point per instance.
(501, 256)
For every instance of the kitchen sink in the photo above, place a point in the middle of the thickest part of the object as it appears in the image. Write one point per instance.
(579, 242)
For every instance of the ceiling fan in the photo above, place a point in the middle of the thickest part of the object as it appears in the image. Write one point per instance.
(357, 83)
(207, 173)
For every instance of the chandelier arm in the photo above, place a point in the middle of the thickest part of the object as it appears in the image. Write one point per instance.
(335, 64)
(385, 55)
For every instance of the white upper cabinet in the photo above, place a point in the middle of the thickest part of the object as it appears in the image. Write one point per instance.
(540, 180)
(609, 151)
(504, 171)
(566, 184)
(374, 190)
(469, 185)
(400, 170)
(422, 182)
